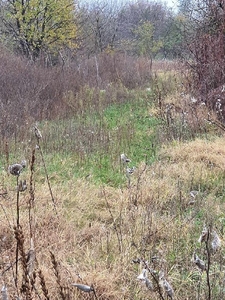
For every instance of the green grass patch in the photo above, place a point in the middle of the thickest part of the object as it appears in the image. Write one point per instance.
(90, 147)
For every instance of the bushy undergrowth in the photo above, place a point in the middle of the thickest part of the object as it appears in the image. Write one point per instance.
(31, 93)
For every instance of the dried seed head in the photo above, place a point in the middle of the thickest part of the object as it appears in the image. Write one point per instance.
(149, 284)
(22, 186)
(4, 293)
(216, 242)
(143, 278)
(143, 275)
(136, 260)
(193, 194)
(31, 257)
(16, 169)
(161, 275)
(168, 288)
(191, 202)
(199, 263)
(130, 171)
(24, 163)
(124, 158)
(84, 287)
(37, 133)
(204, 235)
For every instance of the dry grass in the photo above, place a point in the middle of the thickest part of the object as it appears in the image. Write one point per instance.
(99, 231)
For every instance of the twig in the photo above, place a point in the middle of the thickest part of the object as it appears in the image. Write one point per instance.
(18, 224)
(208, 264)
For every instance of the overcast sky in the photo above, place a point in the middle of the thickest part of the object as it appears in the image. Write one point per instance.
(171, 3)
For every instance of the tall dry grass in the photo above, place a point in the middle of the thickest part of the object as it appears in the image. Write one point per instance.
(100, 232)
(30, 93)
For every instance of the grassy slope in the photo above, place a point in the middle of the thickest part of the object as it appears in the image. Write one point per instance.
(100, 228)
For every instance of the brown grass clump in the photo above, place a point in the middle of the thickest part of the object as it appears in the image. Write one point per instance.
(208, 152)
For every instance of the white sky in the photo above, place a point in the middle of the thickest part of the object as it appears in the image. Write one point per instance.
(172, 3)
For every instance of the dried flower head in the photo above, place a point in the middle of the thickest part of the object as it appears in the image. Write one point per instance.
(22, 186)
(37, 133)
(216, 242)
(161, 275)
(130, 171)
(193, 194)
(143, 278)
(199, 263)
(124, 158)
(143, 275)
(165, 284)
(31, 257)
(168, 288)
(136, 260)
(204, 235)
(4, 293)
(16, 169)
(149, 284)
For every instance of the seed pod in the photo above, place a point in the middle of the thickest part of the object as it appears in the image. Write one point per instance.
(216, 242)
(168, 288)
(16, 169)
(37, 133)
(83, 287)
(199, 263)
(204, 235)
(124, 158)
(4, 293)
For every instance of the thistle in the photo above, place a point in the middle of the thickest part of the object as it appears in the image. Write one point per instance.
(165, 284)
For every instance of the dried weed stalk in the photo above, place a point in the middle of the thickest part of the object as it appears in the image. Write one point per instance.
(26, 288)
(38, 136)
(58, 277)
(43, 285)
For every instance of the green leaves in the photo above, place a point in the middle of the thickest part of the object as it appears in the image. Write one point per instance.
(45, 25)
(145, 43)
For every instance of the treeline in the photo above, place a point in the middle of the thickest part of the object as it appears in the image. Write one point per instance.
(52, 31)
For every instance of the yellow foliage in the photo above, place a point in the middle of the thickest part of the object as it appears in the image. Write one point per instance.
(47, 24)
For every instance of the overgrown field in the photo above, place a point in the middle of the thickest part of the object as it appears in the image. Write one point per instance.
(85, 219)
